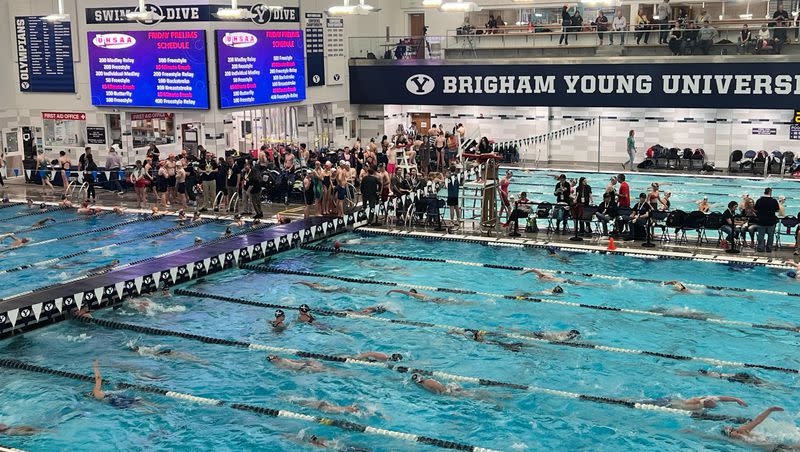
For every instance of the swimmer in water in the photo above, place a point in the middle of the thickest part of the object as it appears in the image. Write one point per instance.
(155, 212)
(300, 365)
(15, 241)
(435, 387)
(103, 268)
(196, 217)
(378, 357)
(794, 274)
(554, 336)
(481, 336)
(198, 241)
(421, 296)
(181, 217)
(278, 324)
(557, 290)
(681, 288)
(745, 433)
(695, 404)
(327, 407)
(227, 232)
(157, 352)
(370, 310)
(682, 314)
(19, 430)
(543, 276)
(553, 252)
(738, 377)
(323, 288)
(116, 400)
(305, 314)
(237, 221)
(65, 202)
(118, 210)
(43, 222)
(84, 209)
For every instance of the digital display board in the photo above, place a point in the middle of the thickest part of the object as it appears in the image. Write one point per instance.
(154, 69)
(44, 55)
(257, 67)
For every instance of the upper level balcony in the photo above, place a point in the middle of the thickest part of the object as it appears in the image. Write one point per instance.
(552, 41)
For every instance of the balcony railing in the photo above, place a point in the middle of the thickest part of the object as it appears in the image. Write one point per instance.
(523, 42)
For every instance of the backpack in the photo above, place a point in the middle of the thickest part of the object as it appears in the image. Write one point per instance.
(699, 154)
(687, 153)
(650, 152)
(646, 164)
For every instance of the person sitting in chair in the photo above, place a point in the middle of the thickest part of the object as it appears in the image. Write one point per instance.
(640, 215)
(606, 211)
(522, 209)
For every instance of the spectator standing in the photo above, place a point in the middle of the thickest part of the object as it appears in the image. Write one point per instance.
(566, 25)
(208, 177)
(619, 25)
(562, 194)
(664, 13)
(630, 148)
(370, 188)
(766, 209)
(601, 25)
(252, 184)
(113, 164)
(624, 197)
(577, 23)
(706, 37)
(703, 17)
(642, 27)
(675, 40)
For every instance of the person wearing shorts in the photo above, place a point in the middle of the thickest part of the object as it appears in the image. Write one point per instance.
(453, 187)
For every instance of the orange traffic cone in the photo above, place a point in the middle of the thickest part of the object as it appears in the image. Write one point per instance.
(611, 245)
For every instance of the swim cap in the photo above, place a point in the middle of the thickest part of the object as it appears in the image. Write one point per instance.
(279, 313)
(413, 290)
(304, 308)
(558, 289)
(396, 357)
(573, 334)
(791, 274)
(271, 357)
(415, 377)
(337, 245)
(551, 249)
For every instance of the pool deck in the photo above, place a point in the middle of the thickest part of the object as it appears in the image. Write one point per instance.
(51, 304)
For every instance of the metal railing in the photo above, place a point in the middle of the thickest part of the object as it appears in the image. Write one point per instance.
(551, 43)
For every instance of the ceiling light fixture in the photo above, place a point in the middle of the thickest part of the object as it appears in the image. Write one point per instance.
(431, 3)
(459, 7)
(347, 9)
(143, 15)
(234, 12)
(58, 17)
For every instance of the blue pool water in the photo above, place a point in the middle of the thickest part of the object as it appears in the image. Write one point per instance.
(58, 239)
(498, 418)
(686, 190)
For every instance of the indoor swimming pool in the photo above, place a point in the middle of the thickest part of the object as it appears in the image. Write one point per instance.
(526, 385)
(71, 245)
(686, 190)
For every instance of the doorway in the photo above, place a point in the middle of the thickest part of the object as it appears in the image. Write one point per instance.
(416, 26)
(423, 121)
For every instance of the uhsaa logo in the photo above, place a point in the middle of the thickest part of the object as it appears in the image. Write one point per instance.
(239, 39)
(114, 41)
(420, 84)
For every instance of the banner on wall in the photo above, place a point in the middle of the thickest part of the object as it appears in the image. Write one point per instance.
(44, 55)
(262, 14)
(686, 85)
(336, 58)
(315, 50)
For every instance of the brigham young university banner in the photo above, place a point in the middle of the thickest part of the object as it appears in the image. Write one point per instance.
(700, 85)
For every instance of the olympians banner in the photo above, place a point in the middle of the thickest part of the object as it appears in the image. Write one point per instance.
(686, 85)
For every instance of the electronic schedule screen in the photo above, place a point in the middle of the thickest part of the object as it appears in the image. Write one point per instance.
(154, 69)
(258, 67)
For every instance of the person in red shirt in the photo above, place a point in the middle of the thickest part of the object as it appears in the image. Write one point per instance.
(624, 197)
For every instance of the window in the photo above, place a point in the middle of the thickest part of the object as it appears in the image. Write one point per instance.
(61, 130)
(157, 128)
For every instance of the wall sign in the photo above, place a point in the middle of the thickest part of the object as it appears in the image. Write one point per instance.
(44, 55)
(159, 69)
(334, 50)
(794, 132)
(262, 14)
(315, 50)
(96, 135)
(257, 67)
(796, 119)
(142, 116)
(764, 131)
(686, 85)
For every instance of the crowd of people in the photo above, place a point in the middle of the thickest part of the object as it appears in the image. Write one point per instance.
(620, 215)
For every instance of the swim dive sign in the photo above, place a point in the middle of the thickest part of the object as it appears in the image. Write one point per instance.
(701, 85)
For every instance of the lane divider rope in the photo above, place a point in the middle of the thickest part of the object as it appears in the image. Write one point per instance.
(708, 360)
(37, 212)
(332, 422)
(501, 242)
(607, 308)
(394, 367)
(59, 223)
(93, 231)
(556, 272)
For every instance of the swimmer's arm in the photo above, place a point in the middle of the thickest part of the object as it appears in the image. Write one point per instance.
(748, 428)
(97, 392)
(732, 399)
